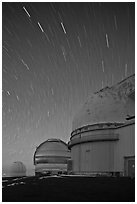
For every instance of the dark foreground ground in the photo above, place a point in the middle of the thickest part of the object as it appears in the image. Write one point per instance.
(68, 189)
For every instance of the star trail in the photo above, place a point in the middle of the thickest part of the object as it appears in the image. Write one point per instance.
(53, 56)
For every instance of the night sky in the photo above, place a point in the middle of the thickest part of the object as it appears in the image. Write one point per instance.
(53, 56)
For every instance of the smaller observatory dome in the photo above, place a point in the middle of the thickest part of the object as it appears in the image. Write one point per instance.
(17, 169)
(51, 155)
(52, 147)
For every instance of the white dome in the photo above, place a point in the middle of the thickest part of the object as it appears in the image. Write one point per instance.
(51, 148)
(110, 104)
(17, 169)
(52, 155)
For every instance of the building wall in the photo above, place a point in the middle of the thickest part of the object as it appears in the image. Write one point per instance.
(103, 156)
(93, 157)
(97, 157)
(75, 155)
(125, 147)
(93, 151)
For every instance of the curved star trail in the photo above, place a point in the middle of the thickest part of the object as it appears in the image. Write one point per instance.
(54, 56)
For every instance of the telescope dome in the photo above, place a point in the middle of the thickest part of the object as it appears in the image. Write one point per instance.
(109, 105)
(51, 155)
(17, 169)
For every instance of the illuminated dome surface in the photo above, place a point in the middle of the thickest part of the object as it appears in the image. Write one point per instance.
(17, 169)
(110, 104)
(51, 148)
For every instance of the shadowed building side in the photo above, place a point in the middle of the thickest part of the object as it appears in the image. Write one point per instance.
(103, 136)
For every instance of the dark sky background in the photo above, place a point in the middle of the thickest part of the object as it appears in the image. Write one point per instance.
(55, 55)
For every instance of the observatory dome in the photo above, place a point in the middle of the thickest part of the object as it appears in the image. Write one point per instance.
(51, 155)
(52, 147)
(103, 135)
(109, 105)
(17, 169)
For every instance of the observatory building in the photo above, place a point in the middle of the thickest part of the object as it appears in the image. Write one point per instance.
(103, 136)
(52, 156)
(17, 169)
